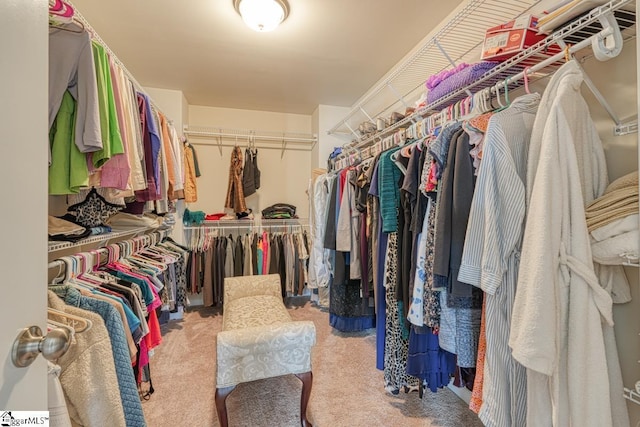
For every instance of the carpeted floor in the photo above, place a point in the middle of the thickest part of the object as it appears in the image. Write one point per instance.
(347, 388)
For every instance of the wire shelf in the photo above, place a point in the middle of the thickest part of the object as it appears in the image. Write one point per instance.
(251, 224)
(575, 32)
(100, 240)
(459, 36)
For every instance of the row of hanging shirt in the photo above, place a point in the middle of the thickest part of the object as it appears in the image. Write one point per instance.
(105, 132)
(103, 372)
(479, 228)
(241, 253)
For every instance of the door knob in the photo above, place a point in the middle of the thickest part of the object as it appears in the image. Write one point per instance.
(30, 342)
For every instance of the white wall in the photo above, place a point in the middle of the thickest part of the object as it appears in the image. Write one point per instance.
(170, 103)
(328, 116)
(282, 180)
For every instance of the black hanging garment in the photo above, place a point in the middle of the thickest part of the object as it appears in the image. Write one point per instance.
(248, 175)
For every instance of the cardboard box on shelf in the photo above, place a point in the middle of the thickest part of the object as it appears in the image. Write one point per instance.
(504, 41)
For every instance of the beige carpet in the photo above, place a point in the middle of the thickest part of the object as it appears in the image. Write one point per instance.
(348, 390)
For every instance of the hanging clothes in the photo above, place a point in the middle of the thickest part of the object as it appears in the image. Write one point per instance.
(126, 382)
(71, 67)
(491, 254)
(213, 258)
(190, 187)
(235, 195)
(562, 317)
(88, 405)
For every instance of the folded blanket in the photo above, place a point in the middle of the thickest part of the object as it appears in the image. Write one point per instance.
(617, 227)
(612, 251)
(458, 80)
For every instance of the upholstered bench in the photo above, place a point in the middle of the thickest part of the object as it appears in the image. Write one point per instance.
(259, 340)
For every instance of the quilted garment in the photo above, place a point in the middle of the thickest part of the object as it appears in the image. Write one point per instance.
(133, 414)
(459, 80)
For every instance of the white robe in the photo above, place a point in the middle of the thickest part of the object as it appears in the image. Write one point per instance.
(562, 317)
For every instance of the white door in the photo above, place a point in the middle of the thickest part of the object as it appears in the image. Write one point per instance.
(23, 194)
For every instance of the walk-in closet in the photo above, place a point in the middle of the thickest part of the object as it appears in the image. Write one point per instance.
(329, 213)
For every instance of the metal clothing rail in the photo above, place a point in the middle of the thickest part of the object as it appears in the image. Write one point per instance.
(251, 224)
(100, 240)
(511, 72)
(96, 37)
(270, 140)
(142, 241)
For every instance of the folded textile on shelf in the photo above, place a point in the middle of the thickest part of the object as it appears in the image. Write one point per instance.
(193, 217)
(617, 250)
(127, 220)
(457, 80)
(619, 200)
(565, 13)
(279, 211)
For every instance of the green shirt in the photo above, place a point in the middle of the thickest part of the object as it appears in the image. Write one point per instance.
(110, 130)
(68, 171)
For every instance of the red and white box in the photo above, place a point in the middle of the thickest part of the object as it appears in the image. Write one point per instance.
(504, 41)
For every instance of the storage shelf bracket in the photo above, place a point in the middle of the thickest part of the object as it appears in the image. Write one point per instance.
(626, 128)
(367, 115)
(632, 395)
(397, 94)
(451, 61)
(352, 131)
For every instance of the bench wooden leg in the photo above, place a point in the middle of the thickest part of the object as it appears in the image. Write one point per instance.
(307, 380)
(221, 406)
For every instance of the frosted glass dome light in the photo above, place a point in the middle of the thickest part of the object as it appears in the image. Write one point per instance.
(262, 15)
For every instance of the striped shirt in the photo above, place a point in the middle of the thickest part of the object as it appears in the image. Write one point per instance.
(492, 251)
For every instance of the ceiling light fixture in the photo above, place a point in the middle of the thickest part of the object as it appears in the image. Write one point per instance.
(262, 15)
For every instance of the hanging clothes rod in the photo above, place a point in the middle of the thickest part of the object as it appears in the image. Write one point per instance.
(97, 38)
(262, 147)
(249, 224)
(251, 135)
(243, 227)
(142, 241)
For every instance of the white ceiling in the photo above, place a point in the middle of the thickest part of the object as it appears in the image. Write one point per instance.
(326, 52)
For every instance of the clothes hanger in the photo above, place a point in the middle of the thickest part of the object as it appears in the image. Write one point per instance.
(525, 74)
(60, 275)
(82, 324)
(502, 107)
(506, 93)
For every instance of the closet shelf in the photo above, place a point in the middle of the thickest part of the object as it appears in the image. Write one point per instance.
(251, 224)
(102, 240)
(459, 35)
(626, 128)
(268, 139)
(575, 32)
